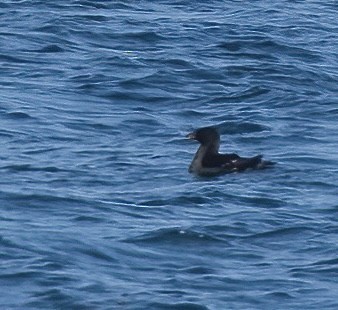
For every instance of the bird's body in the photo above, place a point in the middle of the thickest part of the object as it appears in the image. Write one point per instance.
(207, 160)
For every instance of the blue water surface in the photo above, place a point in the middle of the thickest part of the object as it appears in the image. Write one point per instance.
(97, 208)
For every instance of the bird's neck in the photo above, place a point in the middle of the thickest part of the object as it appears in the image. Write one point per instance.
(210, 148)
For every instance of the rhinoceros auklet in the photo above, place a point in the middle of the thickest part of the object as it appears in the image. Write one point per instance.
(208, 161)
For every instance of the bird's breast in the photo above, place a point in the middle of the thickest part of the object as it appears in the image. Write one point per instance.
(196, 164)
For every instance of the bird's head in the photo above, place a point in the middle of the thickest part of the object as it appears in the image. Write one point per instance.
(205, 135)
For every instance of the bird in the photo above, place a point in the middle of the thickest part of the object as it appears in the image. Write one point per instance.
(208, 161)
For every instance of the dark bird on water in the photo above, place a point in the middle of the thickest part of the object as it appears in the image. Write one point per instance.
(207, 160)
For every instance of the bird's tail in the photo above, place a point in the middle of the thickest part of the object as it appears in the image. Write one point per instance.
(257, 162)
(263, 164)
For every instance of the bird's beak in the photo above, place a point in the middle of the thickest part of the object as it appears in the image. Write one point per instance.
(191, 136)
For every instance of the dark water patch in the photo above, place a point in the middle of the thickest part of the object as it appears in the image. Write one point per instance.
(247, 94)
(132, 83)
(57, 298)
(18, 115)
(19, 276)
(238, 71)
(193, 113)
(259, 57)
(6, 242)
(41, 201)
(140, 109)
(87, 219)
(279, 296)
(42, 150)
(267, 47)
(327, 262)
(49, 28)
(28, 168)
(198, 270)
(204, 74)
(176, 293)
(264, 202)
(97, 254)
(173, 236)
(66, 138)
(47, 265)
(53, 48)
(237, 230)
(294, 51)
(241, 127)
(178, 306)
(322, 269)
(232, 46)
(16, 251)
(11, 59)
(87, 79)
(281, 233)
(94, 126)
(309, 159)
(143, 36)
(8, 134)
(150, 98)
(331, 210)
(93, 17)
(179, 64)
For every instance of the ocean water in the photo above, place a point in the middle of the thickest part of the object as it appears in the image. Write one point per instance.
(97, 208)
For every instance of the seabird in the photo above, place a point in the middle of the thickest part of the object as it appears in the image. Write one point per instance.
(207, 160)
